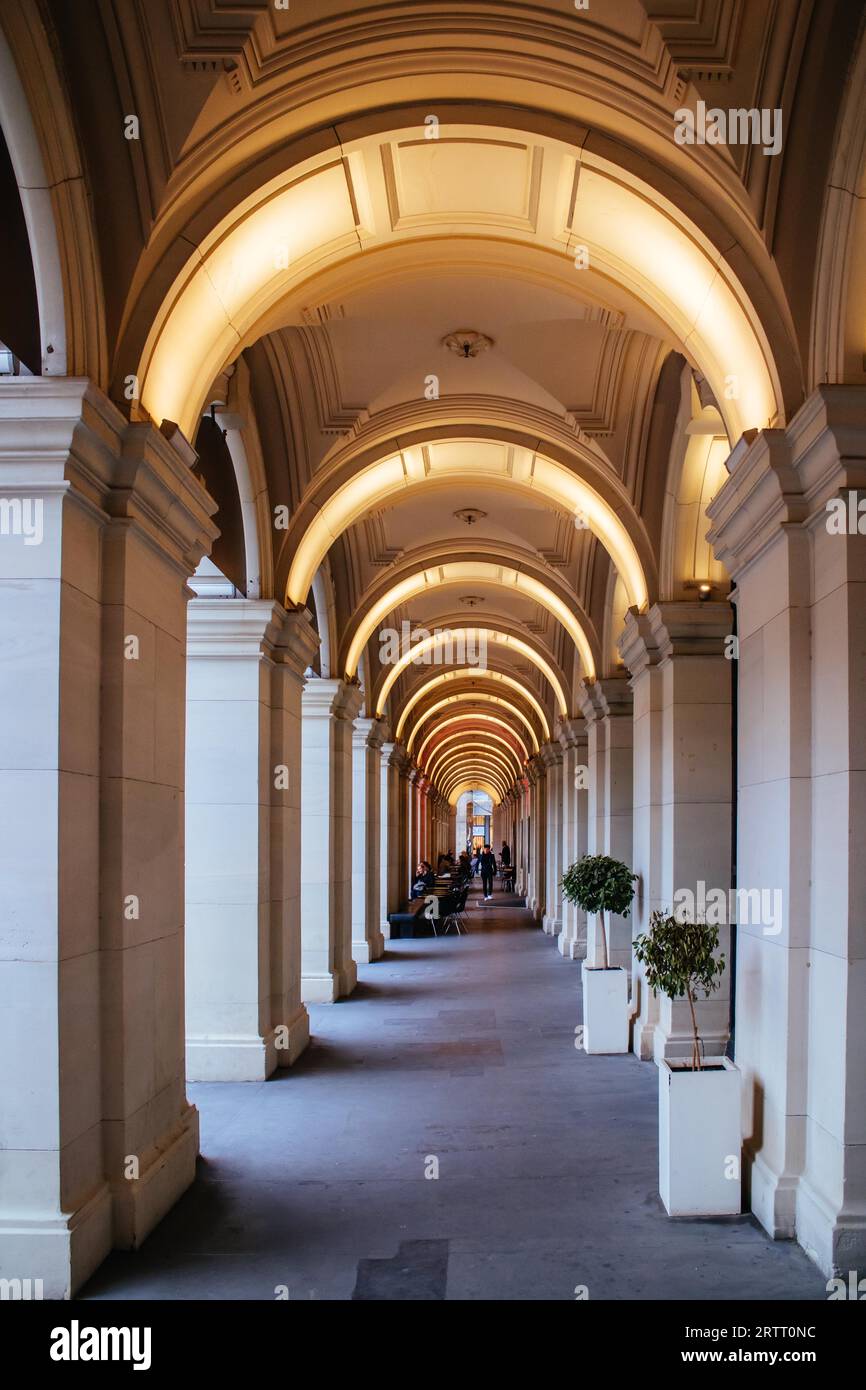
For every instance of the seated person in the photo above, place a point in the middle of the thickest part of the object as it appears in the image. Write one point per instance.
(424, 880)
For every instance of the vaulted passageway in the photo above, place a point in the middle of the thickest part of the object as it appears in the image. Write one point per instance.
(461, 1050)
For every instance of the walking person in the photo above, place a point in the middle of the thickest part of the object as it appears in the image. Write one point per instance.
(487, 865)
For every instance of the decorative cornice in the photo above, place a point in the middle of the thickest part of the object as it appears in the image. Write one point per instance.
(784, 478)
(550, 754)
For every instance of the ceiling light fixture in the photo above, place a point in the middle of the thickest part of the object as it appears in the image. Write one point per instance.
(470, 515)
(465, 342)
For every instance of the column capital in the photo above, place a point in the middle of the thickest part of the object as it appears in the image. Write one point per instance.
(781, 478)
(690, 629)
(638, 643)
(610, 697)
(571, 733)
(369, 733)
(62, 433)
(550, 754)
(394, 755)
(535, 770)
(325, 698)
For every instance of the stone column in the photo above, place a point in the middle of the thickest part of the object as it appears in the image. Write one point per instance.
(327, 968)
(607, 708)
(368, 942)
(536, 810)
(245, 674)
(575, 778)
(551, 756)
(393, 893)
(788, 524)
(103, 523)
(641, 655)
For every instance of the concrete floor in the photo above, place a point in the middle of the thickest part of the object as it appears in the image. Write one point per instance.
(459, 1049)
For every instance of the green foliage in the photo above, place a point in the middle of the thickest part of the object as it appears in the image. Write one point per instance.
(600, 884)
(679, 959)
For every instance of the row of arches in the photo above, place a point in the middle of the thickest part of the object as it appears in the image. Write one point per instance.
(256, 789)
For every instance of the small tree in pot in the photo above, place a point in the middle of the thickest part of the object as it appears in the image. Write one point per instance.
(680, 959)
(600, 884)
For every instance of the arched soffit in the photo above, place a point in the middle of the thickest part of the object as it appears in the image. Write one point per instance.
(472, 738)
(838, 330)
(456, 725)
(595, 114)
(33, 186)
(477, 774)
(478, 679)
(451, 620)
(434, 445)
(407, 581)
(340, 203)
(696, 471)
(494, 793)
(479, 705)
(458, 765)
(40, 134)
(452, 644)
(458, 551)
(478, 755)
(498, 662)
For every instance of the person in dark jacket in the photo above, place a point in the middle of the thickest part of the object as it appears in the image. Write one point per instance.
(425, 879)
(487, 865)
(505, 856)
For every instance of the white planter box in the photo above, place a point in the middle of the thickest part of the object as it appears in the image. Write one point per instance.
(605, 1009)
(700, 1139)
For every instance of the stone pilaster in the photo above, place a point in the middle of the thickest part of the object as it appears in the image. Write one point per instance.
(368, 942)
(551, 757)
(245, 674)
(106, 524)
(607, 709)
(328, 969)
(575, 797)
(787, 525)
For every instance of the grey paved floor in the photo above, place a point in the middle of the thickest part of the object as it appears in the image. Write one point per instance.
(461, 1050)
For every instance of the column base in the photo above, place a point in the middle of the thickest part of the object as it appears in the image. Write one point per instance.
(386, 930)
(571, 948)
(835, 1241)
(364, 952)
(141, 1203)
(678, 1044)
(551, 925)
(773, 1199)
(230, 1059)
(294, 1038)
(643, 1040)
(328, 988)
(57, 1254)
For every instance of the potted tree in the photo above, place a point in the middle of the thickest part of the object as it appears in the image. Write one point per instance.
(699, 1097)
(600, 884)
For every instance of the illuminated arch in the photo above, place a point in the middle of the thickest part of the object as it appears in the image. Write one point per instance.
(478, 673)
(475, 774)
(466, 719)
(494, 793)
(437, 642)
(474, 696)
(331, 204)
(462, 572)
(471, 738)
(439, 767)
(531, 473)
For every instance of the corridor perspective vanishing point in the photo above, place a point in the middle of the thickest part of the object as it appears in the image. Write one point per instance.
(433, 653)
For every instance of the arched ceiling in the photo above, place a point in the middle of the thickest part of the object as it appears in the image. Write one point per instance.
(316, 202)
